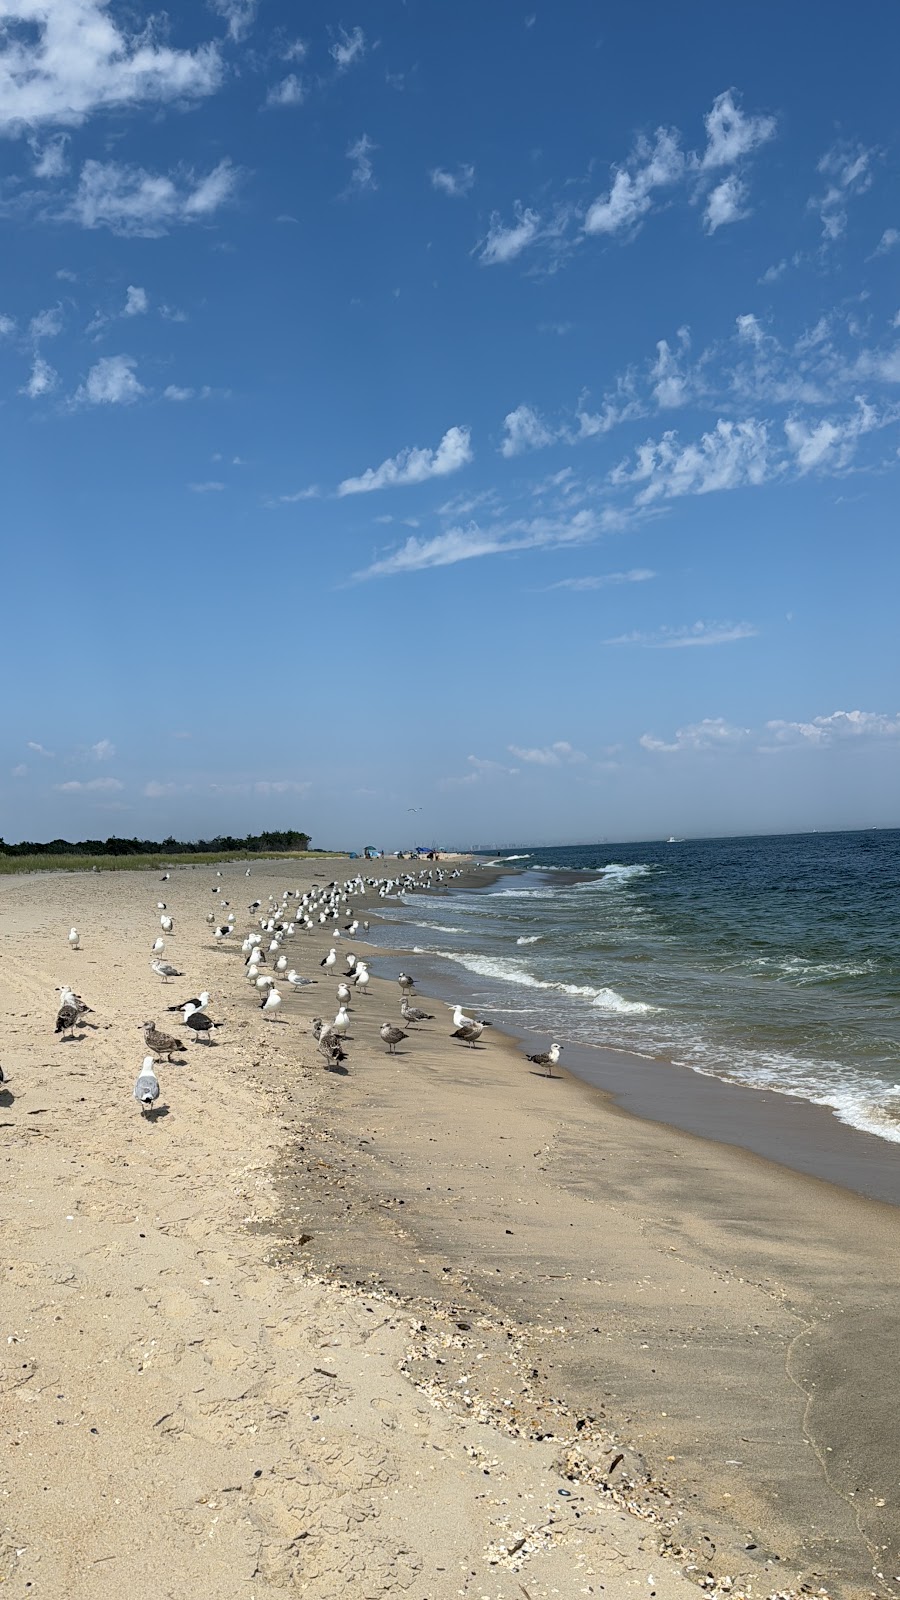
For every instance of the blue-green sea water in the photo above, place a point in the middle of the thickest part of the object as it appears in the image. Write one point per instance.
(773, 962)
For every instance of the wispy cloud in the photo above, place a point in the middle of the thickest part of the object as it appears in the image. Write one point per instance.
(132, 201)
(92, 786)
(525, 430)
(290, 91)
(360, 152)
(604, 580)
(110, 382)
(348, 48)
(688, 637)
(503, 538)
(836, 727)
(238, 14)
(731, 134)
(506, 241)
(42, 381)
(727, 202)
(103, 750)
(62, 61)
(651, 167)
(455, 184)
(46, 324)
(40, 750)
(713, 733)
(415, 465)
(208, 486)
(551, 755)
(848, 169)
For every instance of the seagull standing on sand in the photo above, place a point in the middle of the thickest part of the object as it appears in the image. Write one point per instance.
(469, 1033)
(271, 1003)
(165, 970)
(296, 982)
(328, 961)
(162, 1044)
(74, 939)
(392, 1036)
(548, 1059)
(361, 978)
(199, 1022)
(67, 1017)
(460, 1020)
(166, 923)
(158, 946)
(412, 1014)
(343, 993)
(146, 1089)
(198, 1002)
(407, 984)
(341, 1023)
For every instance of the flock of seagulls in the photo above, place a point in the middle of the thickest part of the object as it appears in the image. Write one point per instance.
(266, 964)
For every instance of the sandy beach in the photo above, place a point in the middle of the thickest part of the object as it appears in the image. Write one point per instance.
(435, 1326)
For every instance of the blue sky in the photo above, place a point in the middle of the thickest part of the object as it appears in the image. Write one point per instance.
(487, 409)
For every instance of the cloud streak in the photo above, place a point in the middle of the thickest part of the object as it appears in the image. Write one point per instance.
(415, 465)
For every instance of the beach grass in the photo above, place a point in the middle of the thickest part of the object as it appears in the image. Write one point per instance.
(139, 863)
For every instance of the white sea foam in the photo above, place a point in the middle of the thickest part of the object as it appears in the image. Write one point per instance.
(510, 971)
(799, 970)
(530, 938)
(524, 857)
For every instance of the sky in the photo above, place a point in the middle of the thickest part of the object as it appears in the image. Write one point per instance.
(460, 425)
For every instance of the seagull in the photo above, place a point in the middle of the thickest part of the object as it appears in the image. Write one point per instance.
(331, 1048)
(165, 970)
(392, 1036)
(74, 939)
(469, 1034)
(351, 963)
(343, 993)
(330, 959)
(158, 946)
(460, 1020)
(412, 1014)
(160, 905)
(295, 980)
(68, 997)
(146, 1089)
(166, 924)
(270, 1004)
(548, 1059)
(66, 1017)
(341, 1023)
(199, 1022)
(162, 1044)
(164, 878)
(407, 984)
(198, 1001)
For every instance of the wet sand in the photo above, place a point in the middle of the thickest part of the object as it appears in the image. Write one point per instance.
(530, 1340)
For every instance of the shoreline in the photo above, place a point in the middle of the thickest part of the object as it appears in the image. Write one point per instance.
(785, 1129)
(644, 1353)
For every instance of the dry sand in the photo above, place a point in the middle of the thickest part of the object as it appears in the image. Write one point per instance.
(508, 1285)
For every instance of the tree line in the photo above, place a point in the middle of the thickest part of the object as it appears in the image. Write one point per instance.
(222, 844)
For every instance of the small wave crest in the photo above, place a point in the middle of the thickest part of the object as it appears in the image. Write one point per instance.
(529, 938)
(511, 971)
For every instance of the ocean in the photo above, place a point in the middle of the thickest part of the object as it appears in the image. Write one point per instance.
(770, 962)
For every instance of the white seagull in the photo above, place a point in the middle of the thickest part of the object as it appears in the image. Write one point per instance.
(146, 1089)
(270, 1004)
(74, 939)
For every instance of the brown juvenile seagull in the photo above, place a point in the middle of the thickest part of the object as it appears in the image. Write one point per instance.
(413, 1014)
(66, 1019)
(392, 1036)
(162, 1044)
(469, 1033)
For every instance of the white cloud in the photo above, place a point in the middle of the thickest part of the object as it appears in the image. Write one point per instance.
(830, 444)
(775, 271)
(849, 170)
(671, 386)
(627, 202)
(52, 158)
(713, 733)
(61, 60)
(467, 544)
(726, 203)
(730, 455)
(697, 633)
(210, 486)
(289, 92)
(174, 391)
(110, 382)
(604, 580)
(888, 241)
(7, 327)
(525, 430)
(730, 134)
(238, 14)
(39, 750)
(136, 301)
(551, 755)
(840, 725)
(415, 465)
(94, 785)
(360, 153)
(132, 201)
(348, 48)
(453, 183)
(313, 492)
(43, 380)
(103, 750)
(503, 244)
(46, 324)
